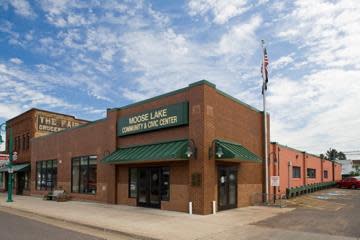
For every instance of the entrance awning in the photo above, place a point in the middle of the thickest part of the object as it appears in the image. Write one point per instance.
(17, 168)
(166, 151)
(235, 151)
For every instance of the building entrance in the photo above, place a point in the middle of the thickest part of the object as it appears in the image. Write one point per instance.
(227, 187)
(149, 191)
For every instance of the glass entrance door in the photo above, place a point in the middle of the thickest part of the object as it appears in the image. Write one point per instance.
(227, 187)
(149, 187)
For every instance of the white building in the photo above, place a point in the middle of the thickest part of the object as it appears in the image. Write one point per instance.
(347, 166)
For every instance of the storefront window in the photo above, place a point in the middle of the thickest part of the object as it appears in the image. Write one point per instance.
(46, 175)
(132, 182)
(75, 175)
(84, 174)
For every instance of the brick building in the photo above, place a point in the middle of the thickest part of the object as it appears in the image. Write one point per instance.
(195, 145)
(31, 124)
(298, 168)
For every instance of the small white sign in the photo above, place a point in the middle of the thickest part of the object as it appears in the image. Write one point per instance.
(10, 170)
(275, 181)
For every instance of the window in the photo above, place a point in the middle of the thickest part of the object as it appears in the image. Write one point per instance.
(18, 140)
(296, 171)
(311, 173)
(83, 178)
(15, 144)
(27, 141)
(325, 174)
(2, 180)
(132, 182)
(46, 175)
(27, 181)
(165, 184)
(23, 142)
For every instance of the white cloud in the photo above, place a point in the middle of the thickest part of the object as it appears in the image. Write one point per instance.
(16, 60)
(241, 38)
(23, 8)
(23, 88)
(282, 62)
(317, 109)
(221, 10)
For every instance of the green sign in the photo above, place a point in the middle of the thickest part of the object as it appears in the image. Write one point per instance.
(165, 117)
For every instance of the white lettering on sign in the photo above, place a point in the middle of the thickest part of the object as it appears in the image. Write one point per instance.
(153, 119)
(51, 124)
(169, 116)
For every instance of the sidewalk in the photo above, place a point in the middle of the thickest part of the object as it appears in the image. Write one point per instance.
(143, 222)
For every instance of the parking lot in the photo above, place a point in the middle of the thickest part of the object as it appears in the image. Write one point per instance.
(332, 211)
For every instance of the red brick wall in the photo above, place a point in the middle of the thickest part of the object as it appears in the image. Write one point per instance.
(280, 159)
(315, 163)
(230, 120)
(337, 170)
(280, 156)
(94, 139)
(328, 166)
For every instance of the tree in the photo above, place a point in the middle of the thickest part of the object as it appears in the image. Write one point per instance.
(333, 154)
(356, 172)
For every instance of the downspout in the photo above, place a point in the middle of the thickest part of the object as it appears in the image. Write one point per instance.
(305, 168)
(278, 167)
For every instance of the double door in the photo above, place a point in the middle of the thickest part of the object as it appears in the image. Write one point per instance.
(149, 189)
(227, 187)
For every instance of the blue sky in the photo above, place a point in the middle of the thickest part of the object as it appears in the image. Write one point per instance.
(81, 57)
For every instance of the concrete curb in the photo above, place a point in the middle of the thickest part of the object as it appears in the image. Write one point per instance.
(124, 233)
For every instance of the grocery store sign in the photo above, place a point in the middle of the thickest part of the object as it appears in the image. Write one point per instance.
(165, 117)
(52, 124)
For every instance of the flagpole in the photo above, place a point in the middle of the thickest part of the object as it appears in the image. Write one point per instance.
(265, 128)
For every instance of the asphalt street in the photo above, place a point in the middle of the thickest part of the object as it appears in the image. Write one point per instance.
(334, 212)
(13, 227)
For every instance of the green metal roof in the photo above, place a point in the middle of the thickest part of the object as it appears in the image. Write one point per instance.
(17, 168)
(166, 151)
(236, 151)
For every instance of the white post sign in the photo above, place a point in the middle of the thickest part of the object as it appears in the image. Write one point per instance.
(275, 181)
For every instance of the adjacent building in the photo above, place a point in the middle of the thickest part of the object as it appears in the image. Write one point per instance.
(297, 168)
(26, 126)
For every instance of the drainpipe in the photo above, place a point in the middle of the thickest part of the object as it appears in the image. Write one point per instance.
(289, 173)
(305, 168)
(278, 167)
(322, 170)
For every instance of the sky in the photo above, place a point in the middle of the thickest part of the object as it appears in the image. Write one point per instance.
(82, 57)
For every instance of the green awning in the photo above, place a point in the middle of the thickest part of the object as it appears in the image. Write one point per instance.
(235, 151)
(166, 151)
(17, 168)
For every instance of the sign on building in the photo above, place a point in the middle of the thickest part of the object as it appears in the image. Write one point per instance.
(54, 124)
(164, 117)
(275, 181)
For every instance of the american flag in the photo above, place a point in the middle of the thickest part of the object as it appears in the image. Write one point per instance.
(264, 70)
